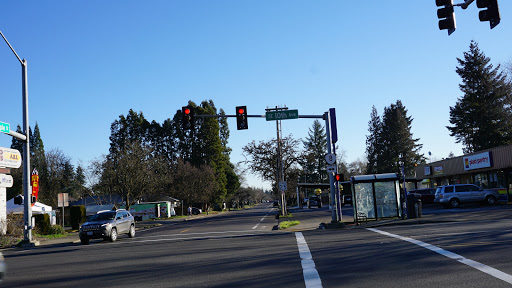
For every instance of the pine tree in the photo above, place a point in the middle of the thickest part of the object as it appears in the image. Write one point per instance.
(482, 117)
(396, 146)
(373, 141)
(315, 147)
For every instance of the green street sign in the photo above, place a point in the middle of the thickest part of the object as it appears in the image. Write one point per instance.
(5, 128)
(281, 115)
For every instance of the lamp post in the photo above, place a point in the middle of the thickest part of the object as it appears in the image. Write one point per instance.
(27, 231)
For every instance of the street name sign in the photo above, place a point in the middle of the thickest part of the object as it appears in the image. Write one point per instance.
(10, 158)
(5, 127)
(281, 115)
(5, 181)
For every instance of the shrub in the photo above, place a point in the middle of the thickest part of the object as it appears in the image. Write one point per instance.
(56, 230)
(42, 223)
(78, 216)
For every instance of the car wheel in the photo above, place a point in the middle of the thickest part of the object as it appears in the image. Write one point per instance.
(454, 203)
(491, 200)
(84, 241)
(113, 235)
(132, 231)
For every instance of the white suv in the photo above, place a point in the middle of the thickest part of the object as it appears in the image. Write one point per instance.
(453, 195)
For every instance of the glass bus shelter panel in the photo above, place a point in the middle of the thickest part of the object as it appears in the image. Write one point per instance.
(363, 193)
(386, 200)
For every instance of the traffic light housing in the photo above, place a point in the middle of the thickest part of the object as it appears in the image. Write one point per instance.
(491, 13)
(447, 16)
(338, 177)
(187, 117)
(33, 200)
(241, 118)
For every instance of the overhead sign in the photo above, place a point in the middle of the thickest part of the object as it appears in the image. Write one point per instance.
(10, 158)
(5, 181)
(281, 115)
(478, 161)
(5, 127)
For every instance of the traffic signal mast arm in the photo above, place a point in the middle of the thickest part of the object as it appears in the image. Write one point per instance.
(465, 4)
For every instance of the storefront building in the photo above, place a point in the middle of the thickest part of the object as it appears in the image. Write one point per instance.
(490, 169)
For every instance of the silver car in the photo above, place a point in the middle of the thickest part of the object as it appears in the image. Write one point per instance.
(453, 195)
(107, 225)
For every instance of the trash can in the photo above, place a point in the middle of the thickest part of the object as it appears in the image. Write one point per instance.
(414, 206)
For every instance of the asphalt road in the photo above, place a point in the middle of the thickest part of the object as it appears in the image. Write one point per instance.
(239, 249)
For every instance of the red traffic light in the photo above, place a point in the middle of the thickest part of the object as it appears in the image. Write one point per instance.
(186, 111)
(241, 110)
(338, 177)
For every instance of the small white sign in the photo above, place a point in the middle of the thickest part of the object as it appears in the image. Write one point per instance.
(10, 158)
(330, 158)
(331, 169)
(5, 181)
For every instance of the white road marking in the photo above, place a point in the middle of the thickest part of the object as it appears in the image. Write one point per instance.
(311, 276)
(256, 226)
(474, 264)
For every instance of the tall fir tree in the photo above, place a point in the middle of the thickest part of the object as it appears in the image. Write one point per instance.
(394, 145)
(315, 147)
(373, 141)
(482, 117)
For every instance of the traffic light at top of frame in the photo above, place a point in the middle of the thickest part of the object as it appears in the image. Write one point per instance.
(446, 15)
(491, 13)
(187, 117)
(241, 118)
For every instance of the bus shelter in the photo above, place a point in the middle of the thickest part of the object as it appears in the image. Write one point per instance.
(376, 196)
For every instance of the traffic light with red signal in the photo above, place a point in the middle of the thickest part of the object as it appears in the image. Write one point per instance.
(338, 177)
(241, 118)
(446, 16)
(187, 117)
(491, 13)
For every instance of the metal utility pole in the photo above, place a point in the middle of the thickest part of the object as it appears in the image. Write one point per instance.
(27, 216)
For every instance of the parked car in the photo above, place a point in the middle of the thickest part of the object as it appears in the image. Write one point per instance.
(427, 195)
(107, 225)
(314, 201)
(196, 211)
(3, 268)
(453, 195)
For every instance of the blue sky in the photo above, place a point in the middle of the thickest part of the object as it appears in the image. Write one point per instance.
(91, 61)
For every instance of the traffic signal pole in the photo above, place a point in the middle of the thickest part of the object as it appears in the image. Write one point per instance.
(27, 216)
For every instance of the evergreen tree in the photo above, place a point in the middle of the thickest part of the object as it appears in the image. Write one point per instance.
(396, 146)
(482, 117)
(373, 141)
(315, 147)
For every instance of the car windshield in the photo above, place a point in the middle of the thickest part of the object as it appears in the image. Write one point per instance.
(103, 216)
